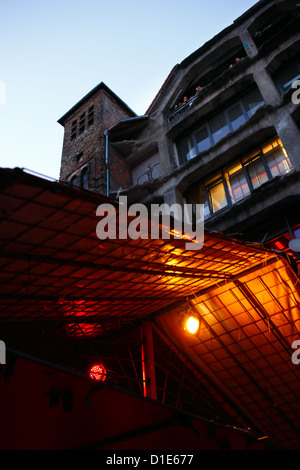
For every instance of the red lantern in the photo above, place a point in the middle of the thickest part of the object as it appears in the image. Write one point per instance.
(98, 373)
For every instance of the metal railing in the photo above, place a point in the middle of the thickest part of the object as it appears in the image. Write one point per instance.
(182, 109)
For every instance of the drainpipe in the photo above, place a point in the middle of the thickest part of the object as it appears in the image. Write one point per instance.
(106, 162)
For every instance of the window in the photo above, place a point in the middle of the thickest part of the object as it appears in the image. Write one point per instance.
(203, 140)
(217, 194)
(198, 195)
(220, 125)
(236, 182)
(188, 148)
(91, 115)
(84, 178)
(81, 123)
(73, 129)
(256, 170)
(79, 157)
(74, 182)
(277, 159)
(236, 116)
(287, 75)
(276, 23)
(252, 101)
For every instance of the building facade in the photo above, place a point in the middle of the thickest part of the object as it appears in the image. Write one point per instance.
(223, 131)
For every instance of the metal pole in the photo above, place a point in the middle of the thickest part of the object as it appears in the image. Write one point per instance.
(148, 363)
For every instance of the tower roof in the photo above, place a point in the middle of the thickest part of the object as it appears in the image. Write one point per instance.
(100, 86)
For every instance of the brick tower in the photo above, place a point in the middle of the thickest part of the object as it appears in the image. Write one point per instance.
(84, 157)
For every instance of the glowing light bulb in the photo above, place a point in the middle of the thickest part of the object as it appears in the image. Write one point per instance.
(192, 325)
(98, 373)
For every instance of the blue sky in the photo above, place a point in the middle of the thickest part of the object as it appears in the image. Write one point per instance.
(55, 51)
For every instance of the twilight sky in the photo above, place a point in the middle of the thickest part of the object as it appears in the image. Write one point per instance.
(55, 51)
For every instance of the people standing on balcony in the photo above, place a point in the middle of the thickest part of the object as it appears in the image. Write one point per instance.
(186, 99)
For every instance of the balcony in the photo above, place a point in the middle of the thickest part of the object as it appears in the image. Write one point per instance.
(181, 108)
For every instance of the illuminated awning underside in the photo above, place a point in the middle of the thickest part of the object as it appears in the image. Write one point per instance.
(55, 269)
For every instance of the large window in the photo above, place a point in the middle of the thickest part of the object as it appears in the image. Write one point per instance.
(234, 183)
(286, 75)
(220, 125)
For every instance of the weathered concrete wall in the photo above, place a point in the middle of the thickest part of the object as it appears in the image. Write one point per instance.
(146, 170)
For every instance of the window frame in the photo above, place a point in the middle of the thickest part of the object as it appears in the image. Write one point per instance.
(74, 129)
(74, 181)
(207, 126)
(206, 184)
(84, 174)
(90, 116)
(276, 75)
(81, 123)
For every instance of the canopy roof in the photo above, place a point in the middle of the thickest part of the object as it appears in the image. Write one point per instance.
(55, 271)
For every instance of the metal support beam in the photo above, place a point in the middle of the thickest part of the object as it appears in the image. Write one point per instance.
(148, 363)
(154, 269)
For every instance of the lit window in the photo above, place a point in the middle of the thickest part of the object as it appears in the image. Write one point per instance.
(256, 171)
(236, 182)
(277, 159)
(217, 194)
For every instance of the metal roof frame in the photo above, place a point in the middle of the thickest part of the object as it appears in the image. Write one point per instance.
(55, 273)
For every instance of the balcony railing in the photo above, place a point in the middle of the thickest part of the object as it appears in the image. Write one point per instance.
(181, 109)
